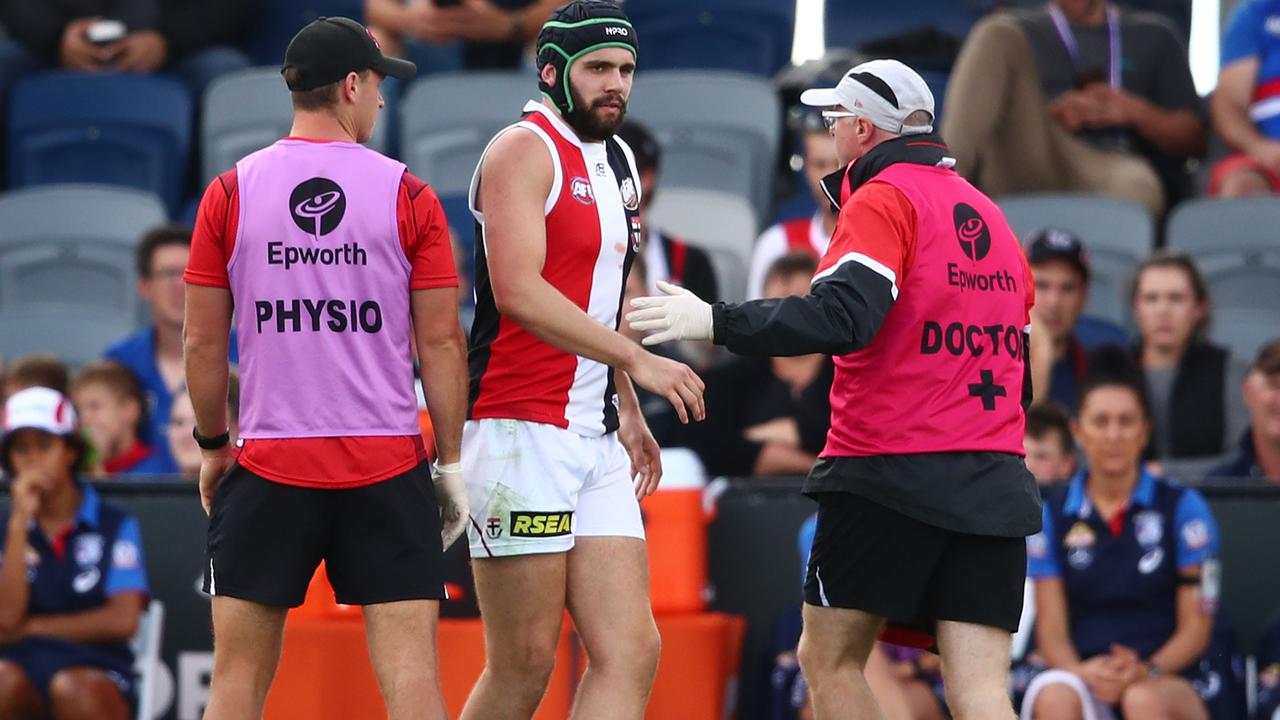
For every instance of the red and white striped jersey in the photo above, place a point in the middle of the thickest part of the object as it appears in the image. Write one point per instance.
(592, 234)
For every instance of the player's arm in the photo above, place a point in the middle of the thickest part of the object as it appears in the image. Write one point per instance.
(1229, 106)
(856, 284)
(14, 591)
(205, 337)
(116, 621)
(1197, 549)
(1193, 631)
(517, 175)
(1053, 638)
(442, 349)
(840, 315)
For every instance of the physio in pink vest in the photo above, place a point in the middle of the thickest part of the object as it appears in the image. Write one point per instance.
(338, 266)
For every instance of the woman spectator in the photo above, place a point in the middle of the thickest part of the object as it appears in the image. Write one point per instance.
(1125, 571)
(72, 579)
(1194, 387)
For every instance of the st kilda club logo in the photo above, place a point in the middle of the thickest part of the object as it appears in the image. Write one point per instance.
(972, 231)
(317, 206)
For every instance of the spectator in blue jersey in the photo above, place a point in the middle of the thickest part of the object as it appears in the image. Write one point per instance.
(72, 580)
(154, 354)
(1125, 571)
(1246, 103)
(1258, 457)
(1060, 267)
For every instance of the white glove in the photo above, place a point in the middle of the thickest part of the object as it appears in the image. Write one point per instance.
(451, 496)
(680, 315)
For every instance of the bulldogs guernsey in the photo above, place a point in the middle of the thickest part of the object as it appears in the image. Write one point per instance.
(592, 236)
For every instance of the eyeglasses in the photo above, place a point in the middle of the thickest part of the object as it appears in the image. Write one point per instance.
(830, 117)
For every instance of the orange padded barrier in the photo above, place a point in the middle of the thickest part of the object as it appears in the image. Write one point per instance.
(676, 530)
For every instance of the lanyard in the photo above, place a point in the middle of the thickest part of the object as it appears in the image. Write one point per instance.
(1073, 49)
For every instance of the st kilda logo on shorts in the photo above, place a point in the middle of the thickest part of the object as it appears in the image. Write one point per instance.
(972, 231)
(317, 206)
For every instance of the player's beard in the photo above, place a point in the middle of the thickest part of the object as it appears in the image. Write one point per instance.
(586, 123)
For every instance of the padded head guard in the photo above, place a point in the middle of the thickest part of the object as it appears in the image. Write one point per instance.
(574, 30)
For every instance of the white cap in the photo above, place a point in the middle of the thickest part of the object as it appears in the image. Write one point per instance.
(39, 408)
(883, 91)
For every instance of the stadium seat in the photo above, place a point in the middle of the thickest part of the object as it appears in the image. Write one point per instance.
(719, 131)
(130, 130)
(721, 223)
(1235, 245)
(279, 20)
(750, 36)
(1208, 226)
(246, 111)
(1244, 330)
(67, 277)
(853, 23)
(1117, 234)
(446, 121)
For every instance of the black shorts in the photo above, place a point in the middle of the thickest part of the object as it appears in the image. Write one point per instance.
(380, 542)
(870, 558)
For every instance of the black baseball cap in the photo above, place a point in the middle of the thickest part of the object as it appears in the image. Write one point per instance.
(1048, 244)
(328, 48)
(643, 145)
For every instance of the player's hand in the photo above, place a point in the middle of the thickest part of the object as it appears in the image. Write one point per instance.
(141, 52)
(1103, 678)
(451, 496)
(675, 381)
(429, 23)
(75, 52)
(1129, 665)
(679, 315)
(28, 491)
(1071, 108)
(1267, 153)
(482, 21)
(642, 448)
(214, 465)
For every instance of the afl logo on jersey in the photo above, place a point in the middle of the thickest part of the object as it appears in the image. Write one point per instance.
(630, 198)
(317, 206)
(580, 188)
(972, 231)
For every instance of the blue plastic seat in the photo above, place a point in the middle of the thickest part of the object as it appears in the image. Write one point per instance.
(853, 23)
(749, 36)
(279, 20)
(128, 130)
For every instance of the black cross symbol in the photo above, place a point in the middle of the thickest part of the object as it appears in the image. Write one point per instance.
(987, 390)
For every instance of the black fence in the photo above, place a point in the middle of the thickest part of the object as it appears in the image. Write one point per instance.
(754, 567)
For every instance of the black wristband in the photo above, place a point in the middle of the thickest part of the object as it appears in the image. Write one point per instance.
(216, 442)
